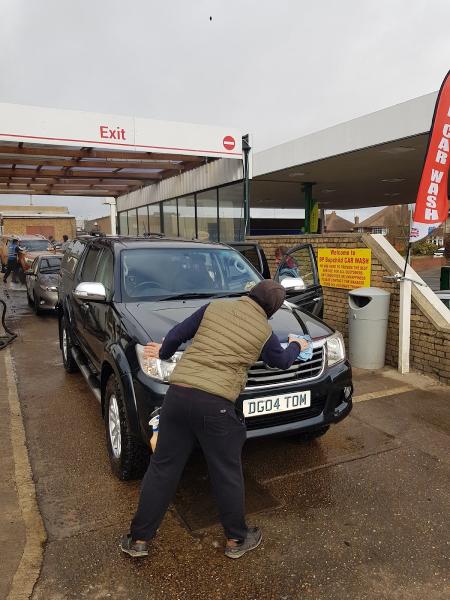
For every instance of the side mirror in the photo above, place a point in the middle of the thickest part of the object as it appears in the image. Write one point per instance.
(293, 284)
(90, 290)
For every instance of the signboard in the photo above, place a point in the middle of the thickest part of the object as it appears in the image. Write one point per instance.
(69, 127)
(345, 268)
(432, 196)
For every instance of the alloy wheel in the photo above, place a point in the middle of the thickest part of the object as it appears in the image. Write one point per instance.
(64, 343)
(115, 435)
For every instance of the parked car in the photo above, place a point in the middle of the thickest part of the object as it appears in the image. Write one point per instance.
(117, 294)
(31, 246)
(42, 282)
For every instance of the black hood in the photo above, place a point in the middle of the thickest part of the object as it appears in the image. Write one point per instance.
(156, 319)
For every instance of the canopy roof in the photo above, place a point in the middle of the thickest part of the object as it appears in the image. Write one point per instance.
(58, 152)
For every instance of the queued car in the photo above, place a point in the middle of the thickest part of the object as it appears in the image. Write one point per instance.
(116, 294)
(42, 282)
(30, 246)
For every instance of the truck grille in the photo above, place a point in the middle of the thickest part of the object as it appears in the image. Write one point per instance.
(261, 376)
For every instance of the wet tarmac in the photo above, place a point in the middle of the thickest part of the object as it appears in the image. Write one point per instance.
(360, 514)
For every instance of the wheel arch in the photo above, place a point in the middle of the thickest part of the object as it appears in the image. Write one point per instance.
(115, 363)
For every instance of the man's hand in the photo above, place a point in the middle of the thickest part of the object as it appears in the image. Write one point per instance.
(151, 350)
(302, 343)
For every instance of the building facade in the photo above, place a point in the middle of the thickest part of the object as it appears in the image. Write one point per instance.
(54, 221)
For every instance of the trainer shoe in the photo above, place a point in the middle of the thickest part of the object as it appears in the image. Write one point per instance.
(132, 548)
(252, 541)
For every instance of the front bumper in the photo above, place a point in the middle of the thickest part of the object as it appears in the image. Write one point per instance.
(329, 403)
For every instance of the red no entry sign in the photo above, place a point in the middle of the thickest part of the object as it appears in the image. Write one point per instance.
(229, 142)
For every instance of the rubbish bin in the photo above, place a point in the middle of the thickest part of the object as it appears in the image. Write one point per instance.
(368, 312)
(445, 278)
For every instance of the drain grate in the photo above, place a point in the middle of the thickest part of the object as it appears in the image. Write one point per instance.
(196, 504)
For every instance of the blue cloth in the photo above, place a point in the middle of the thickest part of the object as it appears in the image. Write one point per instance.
(274, 354)
(308, 352)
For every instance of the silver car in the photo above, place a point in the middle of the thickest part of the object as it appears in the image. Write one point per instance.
(42, 282)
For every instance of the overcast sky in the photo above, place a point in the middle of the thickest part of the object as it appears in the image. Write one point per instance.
(276, 68)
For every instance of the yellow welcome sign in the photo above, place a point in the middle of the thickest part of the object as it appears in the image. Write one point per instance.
(346, 268)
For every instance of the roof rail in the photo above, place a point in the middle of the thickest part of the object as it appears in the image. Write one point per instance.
(149, 234)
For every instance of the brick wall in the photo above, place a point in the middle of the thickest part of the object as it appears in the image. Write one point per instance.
(103, 225)
(430, 346)
(60, 225)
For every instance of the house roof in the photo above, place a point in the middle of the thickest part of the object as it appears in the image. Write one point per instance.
(378, 219)
(336, 223)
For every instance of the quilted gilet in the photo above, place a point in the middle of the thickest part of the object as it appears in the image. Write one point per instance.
(228, 342)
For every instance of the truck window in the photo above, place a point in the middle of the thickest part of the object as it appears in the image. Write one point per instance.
(89, 266)
(105, 271)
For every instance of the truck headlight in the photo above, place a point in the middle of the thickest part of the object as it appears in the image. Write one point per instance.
(155, 367)
(335, 349)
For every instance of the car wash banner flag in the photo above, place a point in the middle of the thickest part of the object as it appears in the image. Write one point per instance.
(432, 198)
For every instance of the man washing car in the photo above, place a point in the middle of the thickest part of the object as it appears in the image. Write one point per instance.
(228, 338)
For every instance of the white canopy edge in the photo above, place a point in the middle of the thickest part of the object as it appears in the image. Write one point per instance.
(396, 122)
(33, 124)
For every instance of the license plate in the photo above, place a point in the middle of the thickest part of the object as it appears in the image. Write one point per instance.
(275, 404)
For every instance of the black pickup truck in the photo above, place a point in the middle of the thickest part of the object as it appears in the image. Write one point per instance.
(116, 294)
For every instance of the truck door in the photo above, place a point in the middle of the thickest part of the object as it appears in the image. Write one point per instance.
(255, 256)
(86, 272)
(297, 272)
(96, 316)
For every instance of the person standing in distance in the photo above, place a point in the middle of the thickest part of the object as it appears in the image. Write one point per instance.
(13, 254)
(228, 338)
(65, 243)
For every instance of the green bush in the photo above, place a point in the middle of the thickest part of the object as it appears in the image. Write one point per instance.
(423, 248)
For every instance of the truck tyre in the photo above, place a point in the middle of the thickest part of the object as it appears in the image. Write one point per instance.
(127, 454)
(69, 362)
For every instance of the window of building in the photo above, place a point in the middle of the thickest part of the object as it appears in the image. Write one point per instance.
(382, 230)
(123, 223)
(231, 212)
(207, 224)
(170, 217)
(142, 220)
(132, 222)
(154, 217)
(186, 217)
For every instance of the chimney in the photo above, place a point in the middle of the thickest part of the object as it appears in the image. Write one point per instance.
(356, 220)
